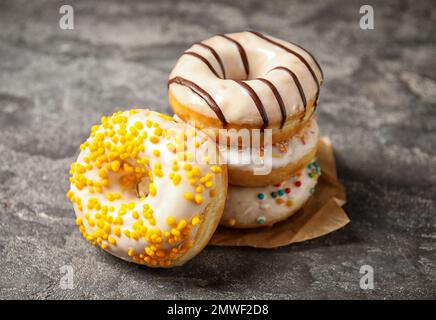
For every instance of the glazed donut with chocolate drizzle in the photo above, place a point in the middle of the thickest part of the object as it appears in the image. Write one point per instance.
(246, 80)
(139, 192)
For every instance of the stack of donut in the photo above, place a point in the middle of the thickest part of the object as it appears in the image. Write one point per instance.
(145, 187)
(252, 81)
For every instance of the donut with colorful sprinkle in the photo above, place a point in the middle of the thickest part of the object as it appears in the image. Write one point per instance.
(265, 206)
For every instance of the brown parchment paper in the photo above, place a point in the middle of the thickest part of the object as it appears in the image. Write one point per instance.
(322, 213)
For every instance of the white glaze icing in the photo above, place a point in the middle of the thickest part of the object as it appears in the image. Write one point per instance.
(169, 199)
(244, 208)
(236, 104)
(283, 153)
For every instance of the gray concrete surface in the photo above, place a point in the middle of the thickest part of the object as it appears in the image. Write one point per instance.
(378, 106)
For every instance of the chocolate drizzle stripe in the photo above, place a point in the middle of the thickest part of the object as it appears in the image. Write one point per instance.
(299, 56)
(278, 98)
(297, 83)
(257, 102)
(311, 56)
(203, 95)
(200, 57)
(216, 55)
(241, 53)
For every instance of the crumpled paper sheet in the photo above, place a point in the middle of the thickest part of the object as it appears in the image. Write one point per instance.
(321, 215)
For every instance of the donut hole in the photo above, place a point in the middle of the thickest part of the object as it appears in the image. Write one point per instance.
(142, 187)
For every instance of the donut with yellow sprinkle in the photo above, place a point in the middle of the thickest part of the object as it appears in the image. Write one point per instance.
(145, 189)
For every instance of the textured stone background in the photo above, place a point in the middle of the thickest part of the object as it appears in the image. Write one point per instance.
(378, 106)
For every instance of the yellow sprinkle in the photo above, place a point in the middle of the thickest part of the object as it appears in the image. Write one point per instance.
(171, 220)
(199, 189)
(208, 184)
(154, 139)
(160, 253)
(115, 165)
(216, 169)
(231, 222)
(187, 167)
(175, 232)
(117, 231)
(130, 252)
(112, 240)
(149, 123)
(104, 246)
(177, 178)
(107, 228)
(195, 220)
(135, 215)
(156, 152)
(188, 196)
(280, 201)
(182, 224)
(81, 169)
(198, 199)
(196, 171)
(157, 132)
(127, 167)
(149, 251)
(138, 125)
(152, 189)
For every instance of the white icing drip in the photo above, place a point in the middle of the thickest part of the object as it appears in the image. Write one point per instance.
(297, 147)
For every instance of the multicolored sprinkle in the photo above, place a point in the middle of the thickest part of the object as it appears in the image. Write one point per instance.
(283, 195)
